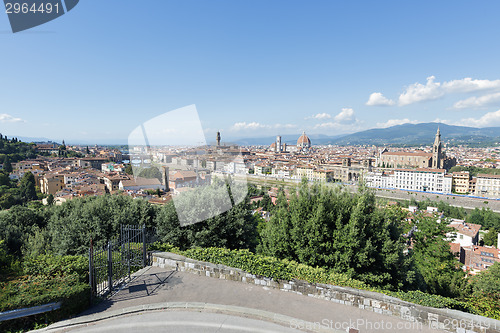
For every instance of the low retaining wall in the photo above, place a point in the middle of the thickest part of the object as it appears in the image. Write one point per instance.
(444, 319)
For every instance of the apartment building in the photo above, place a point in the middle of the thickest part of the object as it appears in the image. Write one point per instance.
(431, 180)
(461, 182)
(423, 179)
(380, 179)
(51, 183)
(261, 169)
(478, 258)
(488, 186)
(465, 234)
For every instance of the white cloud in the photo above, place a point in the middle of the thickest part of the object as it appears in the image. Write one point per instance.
(469, 85)
(242, 126)
(7, 118)
(345, 120)
(418, 92)
(490, 119)
(346, 116)
(248, 126)
(377, 99)
(478, 102)
(432, 90)
(320, 116)
(394, 122)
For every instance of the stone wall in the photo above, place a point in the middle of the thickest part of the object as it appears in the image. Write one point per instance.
(444, 319)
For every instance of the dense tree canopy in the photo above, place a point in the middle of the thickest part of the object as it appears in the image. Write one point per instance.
(487, 283)
(72, 225)
(440, 270)
(491, 238)
(150, 172)
(17, 224)
(321, 226)
(485, 217)
(219, 224)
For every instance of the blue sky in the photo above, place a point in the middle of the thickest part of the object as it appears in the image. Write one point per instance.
(252, 68)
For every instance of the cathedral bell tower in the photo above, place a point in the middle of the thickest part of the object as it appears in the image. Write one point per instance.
(437, 153)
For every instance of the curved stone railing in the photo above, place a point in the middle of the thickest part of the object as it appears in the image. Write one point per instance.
(443, 319)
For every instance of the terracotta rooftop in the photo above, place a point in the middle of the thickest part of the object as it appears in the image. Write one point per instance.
(468, 229)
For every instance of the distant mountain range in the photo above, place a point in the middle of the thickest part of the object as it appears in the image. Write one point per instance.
(422, 134)
(406, 134)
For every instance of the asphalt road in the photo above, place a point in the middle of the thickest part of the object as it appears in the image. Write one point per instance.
(183, 322)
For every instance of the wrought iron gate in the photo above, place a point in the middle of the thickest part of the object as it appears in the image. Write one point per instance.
(111, 266)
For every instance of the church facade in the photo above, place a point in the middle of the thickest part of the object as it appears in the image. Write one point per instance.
(436, 159)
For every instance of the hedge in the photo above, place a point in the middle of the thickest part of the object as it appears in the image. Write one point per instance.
(47, 279)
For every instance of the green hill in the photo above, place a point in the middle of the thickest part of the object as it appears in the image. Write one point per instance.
(423, 134)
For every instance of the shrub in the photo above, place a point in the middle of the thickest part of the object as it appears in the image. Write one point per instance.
(48, 279)
(57, 266)
(277, 269)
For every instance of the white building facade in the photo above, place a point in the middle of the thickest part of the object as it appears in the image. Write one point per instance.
(428, 180)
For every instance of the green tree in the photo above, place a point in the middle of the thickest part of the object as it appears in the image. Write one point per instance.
(275, 239)
(487, 283)
(438, 267)
(484, 217)
(129, 170)
(235, 228)
(329, 227)
(73, 224)
(4, 178)
(150, 172)
(371, 247)
(16, 226)
(50, 200)
(266, 203)
(169, 228)
(4, 257)
(27, 187)
(7, 166)
(491, 238)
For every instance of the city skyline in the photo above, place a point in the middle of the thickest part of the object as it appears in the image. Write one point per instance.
(252, 69)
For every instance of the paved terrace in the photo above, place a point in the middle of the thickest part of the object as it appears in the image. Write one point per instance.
(160, 294)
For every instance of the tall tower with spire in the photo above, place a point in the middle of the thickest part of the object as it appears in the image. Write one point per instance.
(437, 152)
(218, 138)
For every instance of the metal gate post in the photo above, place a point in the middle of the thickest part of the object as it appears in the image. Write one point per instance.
(91, 272)
(128, 252)
(144, 254)
(110, 266)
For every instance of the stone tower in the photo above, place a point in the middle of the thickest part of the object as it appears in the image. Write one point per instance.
(218, 138)
(165, 178)
(437, 152)
(277, 149)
